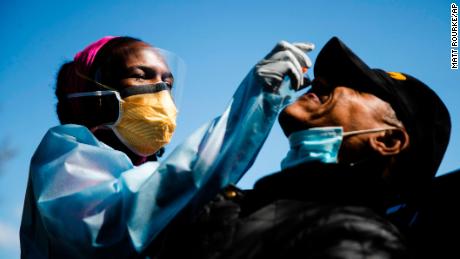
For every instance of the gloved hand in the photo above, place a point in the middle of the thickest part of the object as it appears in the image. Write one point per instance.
(285, 59)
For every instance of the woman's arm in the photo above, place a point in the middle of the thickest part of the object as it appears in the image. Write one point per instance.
(89, 200)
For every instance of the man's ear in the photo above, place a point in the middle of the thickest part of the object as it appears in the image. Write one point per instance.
(389, 142)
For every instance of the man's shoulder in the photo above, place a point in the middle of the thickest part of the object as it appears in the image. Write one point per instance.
(280, 227)
(247, 224)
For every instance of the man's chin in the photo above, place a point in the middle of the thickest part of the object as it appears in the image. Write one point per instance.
(290, 123)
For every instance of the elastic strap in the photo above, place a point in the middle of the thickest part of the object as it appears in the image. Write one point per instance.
(141, 89)
(144, 89)
(94, 81)
(349, 133)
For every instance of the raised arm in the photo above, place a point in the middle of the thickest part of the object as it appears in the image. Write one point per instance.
(85, 199)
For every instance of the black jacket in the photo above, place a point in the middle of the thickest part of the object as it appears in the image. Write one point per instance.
(312, 211)
(433, 230)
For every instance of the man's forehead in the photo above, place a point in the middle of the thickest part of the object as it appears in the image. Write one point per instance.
(320, 82)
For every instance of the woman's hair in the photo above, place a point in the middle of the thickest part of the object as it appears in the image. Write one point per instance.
(62, 107)
(68, 81)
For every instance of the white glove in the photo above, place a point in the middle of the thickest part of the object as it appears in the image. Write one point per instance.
(285, 59)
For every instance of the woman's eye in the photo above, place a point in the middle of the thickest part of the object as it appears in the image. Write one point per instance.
(137, 76)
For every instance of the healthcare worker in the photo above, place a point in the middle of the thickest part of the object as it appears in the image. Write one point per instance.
(96, 189)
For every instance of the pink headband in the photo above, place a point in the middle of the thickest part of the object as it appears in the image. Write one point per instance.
(83, 61)
(85, 58)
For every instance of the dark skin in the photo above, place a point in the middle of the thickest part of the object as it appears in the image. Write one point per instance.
(131, 65)
(353, 110)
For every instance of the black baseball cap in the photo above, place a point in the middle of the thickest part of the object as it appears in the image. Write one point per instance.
(422, 112)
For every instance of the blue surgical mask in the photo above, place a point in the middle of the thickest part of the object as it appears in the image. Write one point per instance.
(320, 144)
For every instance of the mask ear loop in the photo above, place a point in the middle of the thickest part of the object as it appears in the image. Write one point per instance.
(356, 132)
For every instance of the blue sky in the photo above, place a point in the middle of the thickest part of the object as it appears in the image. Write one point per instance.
(219, 41)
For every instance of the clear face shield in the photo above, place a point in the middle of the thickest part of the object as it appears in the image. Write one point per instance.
(142, 116)
(178, 68)
(103, 106)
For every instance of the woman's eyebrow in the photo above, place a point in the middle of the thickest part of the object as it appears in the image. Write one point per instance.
(151, 71)
(147, 68)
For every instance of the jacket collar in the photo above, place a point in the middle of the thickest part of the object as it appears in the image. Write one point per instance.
(360, 185)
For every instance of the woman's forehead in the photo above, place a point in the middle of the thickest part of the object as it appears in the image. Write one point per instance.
(139, 54)
(144, 56)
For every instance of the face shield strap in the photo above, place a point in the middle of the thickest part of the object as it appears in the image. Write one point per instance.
(144, 89)
(93, 81)
(94, 93)
(96, 108)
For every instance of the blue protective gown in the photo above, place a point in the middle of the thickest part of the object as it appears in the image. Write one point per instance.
(87, 200)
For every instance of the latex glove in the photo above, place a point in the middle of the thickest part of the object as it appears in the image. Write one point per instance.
(285, 59)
